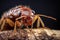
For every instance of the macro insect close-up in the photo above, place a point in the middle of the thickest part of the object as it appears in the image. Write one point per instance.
(21, 16)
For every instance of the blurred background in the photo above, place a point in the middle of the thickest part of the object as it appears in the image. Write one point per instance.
(46, 7)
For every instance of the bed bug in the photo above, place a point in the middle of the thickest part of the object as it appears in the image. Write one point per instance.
(21, 15)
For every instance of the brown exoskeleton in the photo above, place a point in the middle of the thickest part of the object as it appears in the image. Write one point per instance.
(11, 17)
(21, 15)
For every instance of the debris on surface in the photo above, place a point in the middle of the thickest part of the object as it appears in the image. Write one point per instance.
(28, 34)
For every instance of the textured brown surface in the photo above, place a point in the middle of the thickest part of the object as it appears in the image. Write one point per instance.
(27, 34)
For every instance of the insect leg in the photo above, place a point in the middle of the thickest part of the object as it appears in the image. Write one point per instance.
(1, 20)
(2, 26)
(10, 22)
(47, 16)
(38, 22)
(14, 31)
(34, 19)
(41, 22)
(20, 17)
(15, 28)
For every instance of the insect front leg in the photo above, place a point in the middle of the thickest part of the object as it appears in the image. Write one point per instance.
(38, 22)
(42, 23)
(33, 20)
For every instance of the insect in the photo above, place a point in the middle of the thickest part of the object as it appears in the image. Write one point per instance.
(21, 15)
(16, 13)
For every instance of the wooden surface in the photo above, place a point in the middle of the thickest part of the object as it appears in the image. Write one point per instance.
(28, 34)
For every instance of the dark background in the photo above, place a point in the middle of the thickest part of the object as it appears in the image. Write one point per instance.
(45, 7)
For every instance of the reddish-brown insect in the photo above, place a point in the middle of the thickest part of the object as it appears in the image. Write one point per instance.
(13, 15)
(21, 15)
